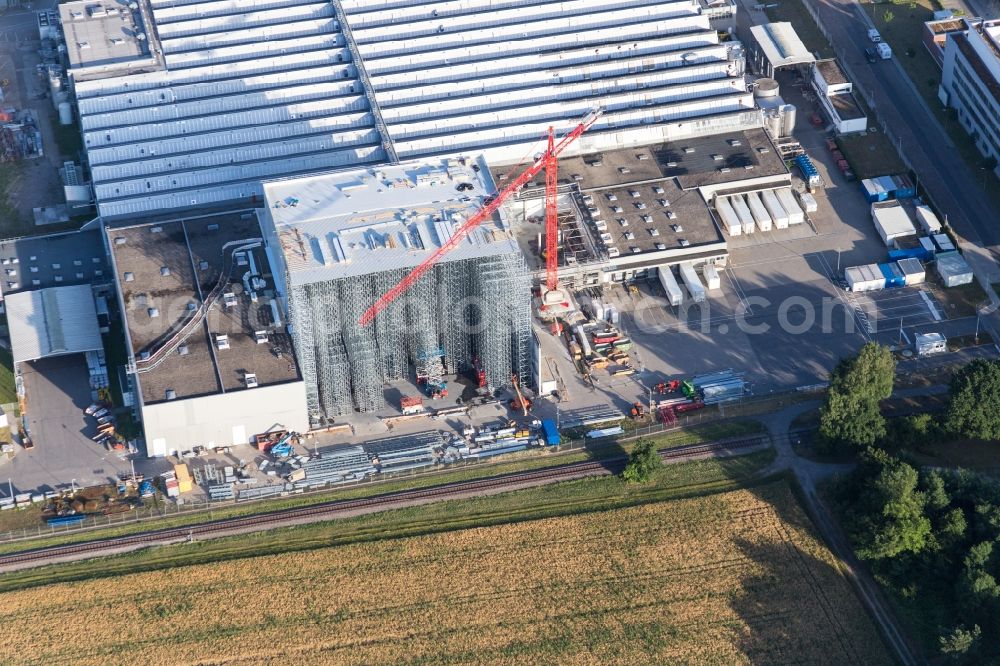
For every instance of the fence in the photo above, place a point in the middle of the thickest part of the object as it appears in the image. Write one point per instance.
(159, 509)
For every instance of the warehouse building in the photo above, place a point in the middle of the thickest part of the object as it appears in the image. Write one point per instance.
(341, 240)
(970, 82)
(217, 97)
(210, 360)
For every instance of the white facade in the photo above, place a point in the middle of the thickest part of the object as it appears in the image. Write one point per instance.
(223, 419)
(970, 83)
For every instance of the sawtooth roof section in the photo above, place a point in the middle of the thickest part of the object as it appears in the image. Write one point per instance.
(52, 322)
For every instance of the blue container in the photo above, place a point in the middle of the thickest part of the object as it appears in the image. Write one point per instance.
(551, 433)
(67, 520)
(903, 188)
(873, 190)
(921, 253)
(893, 276)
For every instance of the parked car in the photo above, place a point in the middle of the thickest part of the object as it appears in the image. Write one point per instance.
(870, 55)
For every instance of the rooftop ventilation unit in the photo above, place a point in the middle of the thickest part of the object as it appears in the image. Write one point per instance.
(229, 299)
(164, 271)
(171, 394)
(183, 350)
(251, 380)
(260, 337)
(153, 313)
(688, 151)
(222, 341)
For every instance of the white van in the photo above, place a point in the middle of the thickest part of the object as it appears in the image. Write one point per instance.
(874, 36)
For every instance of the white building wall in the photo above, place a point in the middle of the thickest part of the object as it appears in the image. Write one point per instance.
(218, 420)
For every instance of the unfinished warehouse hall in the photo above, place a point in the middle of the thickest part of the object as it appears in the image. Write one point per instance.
(345, 239)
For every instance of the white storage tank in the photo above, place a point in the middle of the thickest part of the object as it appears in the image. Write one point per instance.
(759, 212)
(692, 282)
(773, 206)
(765, 88)
(670, 286)
(65, 113)
(712, 280)
(791, 206)
(727, 216)
(787, 119)
(743, 212)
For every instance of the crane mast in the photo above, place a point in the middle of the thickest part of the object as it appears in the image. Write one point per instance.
(546, 161)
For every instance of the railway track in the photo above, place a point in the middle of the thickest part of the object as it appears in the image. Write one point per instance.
(334, 508)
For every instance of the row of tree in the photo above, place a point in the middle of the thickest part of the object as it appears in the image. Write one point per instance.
(932, 537)
(851, 418)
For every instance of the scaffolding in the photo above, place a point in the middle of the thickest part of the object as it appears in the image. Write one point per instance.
(457, 311)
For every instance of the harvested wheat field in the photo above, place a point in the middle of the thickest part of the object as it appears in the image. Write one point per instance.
(728, 578)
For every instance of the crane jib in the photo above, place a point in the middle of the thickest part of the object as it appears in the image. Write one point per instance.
(492, 204)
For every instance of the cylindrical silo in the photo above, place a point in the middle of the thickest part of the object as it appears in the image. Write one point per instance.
(788, 119)
(65, 113)
(772, 122)
(765, 88)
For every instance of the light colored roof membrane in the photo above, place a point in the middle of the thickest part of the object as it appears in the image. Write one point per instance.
(640, 89)
(275, 114)
(159, 79)
(181, 93)
(163, 165)
(384, 58)
(183, 111)
(257, 50)
(52, 322)
(548, 77)
(702, 47)
(198, 9)
(566, 119)
(250, 35)
(233, 137)
(609, 97)
(368, 16)
(205, 26)
(646, 22)
(781, 45)
(568, 11)
(255, 170)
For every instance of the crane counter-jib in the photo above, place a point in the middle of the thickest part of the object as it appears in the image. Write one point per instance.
(490, 206)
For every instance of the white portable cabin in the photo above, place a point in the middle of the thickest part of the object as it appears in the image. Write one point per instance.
(743, 211)
(727, 216)
(773, 206)
(712, 280)
(791, 206)
(867, 277)
(759, 212)
(927, 220)
(691, 281)
(809, 204)
(674, 293)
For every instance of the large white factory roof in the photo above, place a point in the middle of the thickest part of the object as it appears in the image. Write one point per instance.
(366, 220)
(250, 91)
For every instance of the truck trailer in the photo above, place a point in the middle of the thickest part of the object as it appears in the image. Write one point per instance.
(727, 216)
(774, 207)
(692, 282)
(759, 212)
(670, 286)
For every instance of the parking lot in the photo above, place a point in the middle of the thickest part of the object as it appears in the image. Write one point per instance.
(58, 391)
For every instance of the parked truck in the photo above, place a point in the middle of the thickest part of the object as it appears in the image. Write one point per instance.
(884, 51)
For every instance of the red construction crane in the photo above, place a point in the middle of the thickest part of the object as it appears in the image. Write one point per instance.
(547, 161)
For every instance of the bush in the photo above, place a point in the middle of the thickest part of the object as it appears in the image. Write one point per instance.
(643, 462)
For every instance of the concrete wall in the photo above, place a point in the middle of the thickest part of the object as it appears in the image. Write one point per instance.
(223, 419)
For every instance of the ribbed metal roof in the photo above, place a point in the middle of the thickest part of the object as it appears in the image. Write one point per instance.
(52, 322)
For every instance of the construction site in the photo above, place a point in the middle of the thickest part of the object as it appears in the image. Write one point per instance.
(345, 239)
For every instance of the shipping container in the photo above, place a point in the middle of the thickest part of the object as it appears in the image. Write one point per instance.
(791, 206)
(893, 276)
(712, 280)
(927, 243)
(774, 207)
(920, 253)
(184, 483)
(809, 204)
(691, 281)
(930, 343)
(581, 337)
(913, 270)
(874, 190)
(759, 212)
(928, 221)
(670, 286)
(727, 217)
(550, 432)
(743, 212)
(903, 187)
